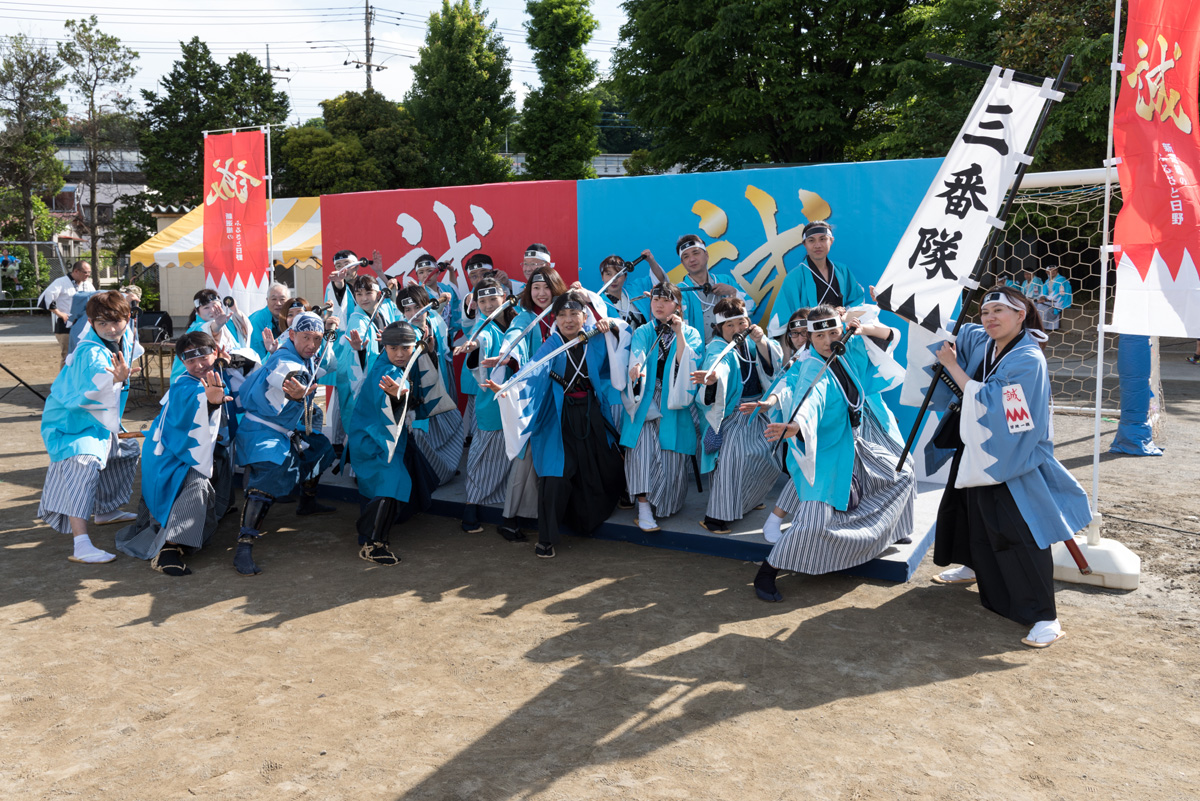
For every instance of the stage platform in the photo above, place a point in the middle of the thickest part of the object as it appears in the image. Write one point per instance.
(683, 532)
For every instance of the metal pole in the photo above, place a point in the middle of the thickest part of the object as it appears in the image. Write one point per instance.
(1104, 254)
(367, 25)
(270, 212)
(986, 256)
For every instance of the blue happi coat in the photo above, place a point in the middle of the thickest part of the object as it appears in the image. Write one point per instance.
(352, 365)
(729, 385)
(542, 399)
(694, 302)
(490, 339)
(378, 430)
(1058, 291)
(85, 406)
(799, 291)
(676, 429)
(181, 438)
(268, 409)
(1049, 498)
(259, 321)
(821, 461)
(445, 361)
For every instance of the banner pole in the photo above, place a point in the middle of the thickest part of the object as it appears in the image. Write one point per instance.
(985, 257)
(1105, 252)
(270, 211)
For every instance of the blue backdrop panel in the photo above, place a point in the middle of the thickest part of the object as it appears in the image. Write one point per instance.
(751, 221)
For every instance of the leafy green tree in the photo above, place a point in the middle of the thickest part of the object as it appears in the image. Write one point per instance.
(317, 163)
(34, 273)
(387, 134)
(1035, 38)
(133, 223)
(32, 114)
(560, 116)
(198, 95)
(930, 99)
(461, 99)
(722, 83)
(98, 68)
(618, 133)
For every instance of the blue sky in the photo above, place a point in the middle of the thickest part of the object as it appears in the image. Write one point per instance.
(312, 38)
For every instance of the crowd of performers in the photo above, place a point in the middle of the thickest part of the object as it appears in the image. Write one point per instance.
(575, 402)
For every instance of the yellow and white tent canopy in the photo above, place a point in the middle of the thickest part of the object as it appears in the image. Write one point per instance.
(296, 236)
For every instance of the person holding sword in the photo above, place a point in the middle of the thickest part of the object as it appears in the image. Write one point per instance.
(91, 469)
(279, 441)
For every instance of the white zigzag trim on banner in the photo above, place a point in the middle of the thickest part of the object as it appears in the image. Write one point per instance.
(1159, 305)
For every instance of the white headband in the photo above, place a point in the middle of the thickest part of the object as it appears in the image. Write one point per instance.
(691, 244)
(483, 265)
(721, 319)
(823, 324)
(537, 254)
(1003, 299)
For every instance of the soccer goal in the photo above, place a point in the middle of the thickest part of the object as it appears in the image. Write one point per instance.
(1058, 219)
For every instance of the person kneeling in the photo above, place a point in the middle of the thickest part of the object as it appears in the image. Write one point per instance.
(279, 441)
(179, 463)
(402, 385)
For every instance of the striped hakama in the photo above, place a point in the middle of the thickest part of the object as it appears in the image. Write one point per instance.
(192, 521)
(77, 487)
(651, 470)
(470, 428)
(442, 445)
(746, 468)
(521, 497)
(487, 468)
(822, 539)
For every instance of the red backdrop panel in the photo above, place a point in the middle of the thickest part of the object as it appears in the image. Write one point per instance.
(453, 223)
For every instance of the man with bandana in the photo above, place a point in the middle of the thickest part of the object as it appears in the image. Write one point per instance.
(819, 280)
(185, 463)
(279, 440)
(91, 470)
(701, 288)
(392, 472)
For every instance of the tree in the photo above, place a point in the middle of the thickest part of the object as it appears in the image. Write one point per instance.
(930, 99)
(316, 163)
(461, 99)
(1035, 38)
(618, 134)
(198, 95)
(133, 223)
(32, 115)
(386, 131)
(722, 83)
(98, 70)
(34, 273)
(560, 116)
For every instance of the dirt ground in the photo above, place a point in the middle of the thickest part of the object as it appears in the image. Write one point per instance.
(475, 671)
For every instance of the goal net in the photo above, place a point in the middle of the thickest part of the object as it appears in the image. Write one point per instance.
(1057, 219)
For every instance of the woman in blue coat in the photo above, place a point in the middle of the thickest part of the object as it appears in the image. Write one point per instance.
(1008, 499)
(659, 431)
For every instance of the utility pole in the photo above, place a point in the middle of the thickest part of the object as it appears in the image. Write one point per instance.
(368, 17)
(367, 20)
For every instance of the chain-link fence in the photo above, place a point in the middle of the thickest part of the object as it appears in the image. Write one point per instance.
(1061, 226)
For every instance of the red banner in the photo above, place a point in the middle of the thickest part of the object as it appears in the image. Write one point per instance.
(235, 215)
(1157, 138)
(453, 223)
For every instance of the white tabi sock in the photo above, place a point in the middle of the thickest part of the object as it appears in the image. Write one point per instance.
(115, 516)
(1045, 631)
(772, 530)
(646, 521)
(960, 573)
(86, 552)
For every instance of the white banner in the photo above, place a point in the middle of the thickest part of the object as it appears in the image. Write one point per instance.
(951, 226)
